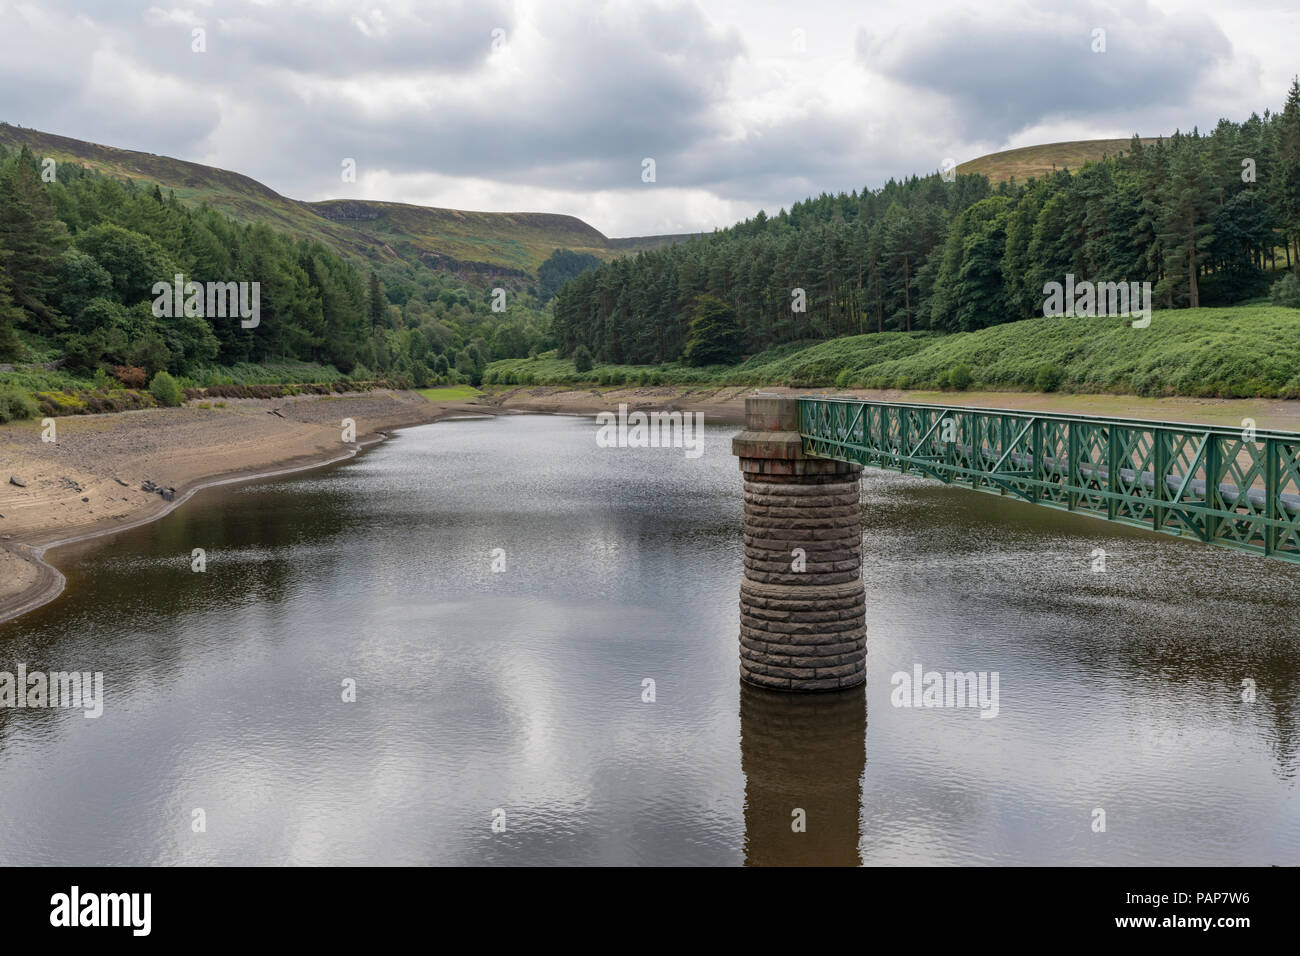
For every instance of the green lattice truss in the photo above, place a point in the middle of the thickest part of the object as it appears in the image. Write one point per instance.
(1238, 488)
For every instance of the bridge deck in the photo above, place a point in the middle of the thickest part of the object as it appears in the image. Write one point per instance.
(1224, 486)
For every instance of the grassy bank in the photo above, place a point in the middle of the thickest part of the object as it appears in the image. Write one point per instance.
(1238, 352)
(451, 393)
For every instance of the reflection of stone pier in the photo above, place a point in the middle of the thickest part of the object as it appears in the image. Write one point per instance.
(802, 752)
(802, 609)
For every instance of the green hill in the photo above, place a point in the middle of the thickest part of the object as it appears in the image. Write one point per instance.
(470, 244)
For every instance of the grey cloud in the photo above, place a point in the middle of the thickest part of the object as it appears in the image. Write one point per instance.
(1007, 72)
(614, 93)
(449, 36)
(613, 83)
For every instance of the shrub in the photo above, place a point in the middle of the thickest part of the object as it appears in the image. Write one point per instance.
(844, 379)
(810, 375)
(61, 403)
(113, 400)
(131, 376)
(1286, 291)
(582, 359)
(15, 404)
(103, 381)
(1048, 378)
(151, 353)
(165, 390)
(959, 377)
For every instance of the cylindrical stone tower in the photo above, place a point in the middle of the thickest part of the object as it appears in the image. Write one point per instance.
(802, 608)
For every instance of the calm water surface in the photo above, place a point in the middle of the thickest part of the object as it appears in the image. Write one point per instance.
(522, 689)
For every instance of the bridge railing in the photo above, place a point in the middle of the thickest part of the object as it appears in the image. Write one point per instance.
(1225, 486)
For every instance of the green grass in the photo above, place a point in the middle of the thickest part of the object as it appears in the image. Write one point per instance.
(797, 364)
(451, 393)
(44, 380)
(285, 373)
(1236, 352)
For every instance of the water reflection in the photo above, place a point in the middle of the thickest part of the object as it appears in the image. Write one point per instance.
(802, 752)
(523, 689)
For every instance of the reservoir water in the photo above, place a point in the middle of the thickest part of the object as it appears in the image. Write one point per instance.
(499, 592)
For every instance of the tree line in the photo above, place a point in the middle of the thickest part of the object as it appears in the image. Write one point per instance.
(81, 252)
(1207, 219)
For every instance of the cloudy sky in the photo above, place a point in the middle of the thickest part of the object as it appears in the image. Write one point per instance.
(553, 105)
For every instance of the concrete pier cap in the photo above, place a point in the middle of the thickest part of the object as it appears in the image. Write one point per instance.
(802, 602)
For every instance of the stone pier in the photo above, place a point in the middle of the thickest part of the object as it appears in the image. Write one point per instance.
(802, 608)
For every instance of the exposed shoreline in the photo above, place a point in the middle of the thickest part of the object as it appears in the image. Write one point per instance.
(246, 441)
(75, 488)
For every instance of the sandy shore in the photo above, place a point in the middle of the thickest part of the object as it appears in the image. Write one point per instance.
(91, 481)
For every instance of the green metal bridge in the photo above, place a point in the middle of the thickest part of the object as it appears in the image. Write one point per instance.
(1232, 487)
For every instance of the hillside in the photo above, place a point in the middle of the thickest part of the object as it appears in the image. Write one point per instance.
(1020, 164)
(1174, 217)
(1248, 350)
(470, 244)
(473, 245)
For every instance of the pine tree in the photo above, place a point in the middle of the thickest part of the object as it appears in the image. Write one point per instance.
(377, 304)
(1022, 299)
(1152, 175)
(714, 335)
(1288, 169)
(31, 236)
(10, 315)
(901, 253)
(1185, 230)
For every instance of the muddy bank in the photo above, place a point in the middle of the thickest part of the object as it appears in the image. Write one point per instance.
(106, 473)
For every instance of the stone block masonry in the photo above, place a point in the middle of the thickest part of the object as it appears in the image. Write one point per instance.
(802, 604)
